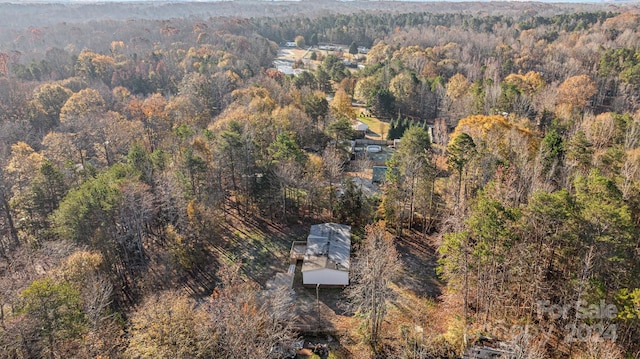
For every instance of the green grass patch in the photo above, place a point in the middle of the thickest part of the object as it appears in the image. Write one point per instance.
(377, 128)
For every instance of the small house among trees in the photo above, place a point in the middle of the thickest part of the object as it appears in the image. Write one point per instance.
(327, 257)
(360, 128)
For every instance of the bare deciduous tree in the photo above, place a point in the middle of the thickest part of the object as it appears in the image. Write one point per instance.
(332, 163)
(287, 175)
(596, 348)
(248, 324)
(377, 264)
(170, 325)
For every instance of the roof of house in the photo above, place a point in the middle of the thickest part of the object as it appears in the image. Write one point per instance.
(328, 247)
(360, 126)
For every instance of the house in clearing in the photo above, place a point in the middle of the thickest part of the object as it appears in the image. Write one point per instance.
(327, 256)
(360, 128)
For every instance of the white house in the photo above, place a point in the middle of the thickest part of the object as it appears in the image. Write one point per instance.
(360, 127)
(327, 257)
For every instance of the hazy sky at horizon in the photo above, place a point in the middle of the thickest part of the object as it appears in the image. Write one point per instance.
(181, 1)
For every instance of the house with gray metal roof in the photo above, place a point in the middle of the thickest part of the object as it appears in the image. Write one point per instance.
(327, 257)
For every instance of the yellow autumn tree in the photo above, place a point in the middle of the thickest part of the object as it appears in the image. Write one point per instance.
(529, 83)
(413, 57)
(92, 65)
(74, 269)
(498, 135)
(365, 87)
(23, 164)
(457, 86)
(83, 104)
(155, 117)
(379, 53)
(50, 97)
(170, 325)
(576, 91)
(341, 104)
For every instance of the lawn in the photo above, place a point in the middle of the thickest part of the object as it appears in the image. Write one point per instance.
(377, 129)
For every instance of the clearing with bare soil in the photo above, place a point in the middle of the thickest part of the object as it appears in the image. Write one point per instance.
(322, 313)
(263, 247)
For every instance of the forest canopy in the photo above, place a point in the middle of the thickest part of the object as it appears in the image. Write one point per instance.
(156, 165)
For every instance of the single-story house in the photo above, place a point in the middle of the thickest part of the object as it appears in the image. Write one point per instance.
(328, 255)
(360, 126)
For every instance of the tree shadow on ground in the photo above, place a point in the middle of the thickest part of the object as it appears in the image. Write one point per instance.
(373, 134)
(419, 261)
(317, 309)
(262, 245)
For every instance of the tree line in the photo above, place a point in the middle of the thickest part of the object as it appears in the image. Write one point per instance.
(127, 162)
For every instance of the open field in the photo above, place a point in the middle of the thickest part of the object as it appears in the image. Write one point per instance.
(378, 130)
(293, 54)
